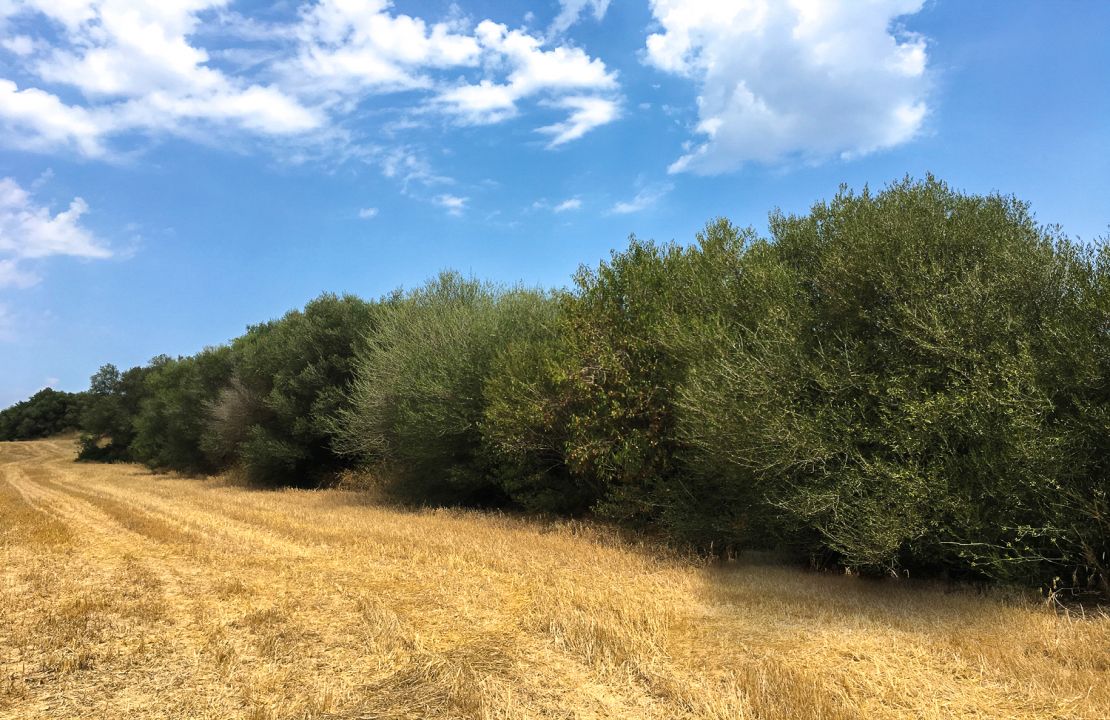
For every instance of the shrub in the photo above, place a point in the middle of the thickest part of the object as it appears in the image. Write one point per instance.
(418, 399)
(908, 398)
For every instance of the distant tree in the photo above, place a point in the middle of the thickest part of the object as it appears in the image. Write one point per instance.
(47, 412)
(108, 419)
(172, 419)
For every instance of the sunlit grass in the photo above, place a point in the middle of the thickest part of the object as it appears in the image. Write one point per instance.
(124, 594)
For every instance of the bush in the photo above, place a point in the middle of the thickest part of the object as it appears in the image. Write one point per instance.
(908, 398)
(418, 400)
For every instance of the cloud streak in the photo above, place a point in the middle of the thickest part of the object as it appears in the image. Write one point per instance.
(454, 204)
(645, 198)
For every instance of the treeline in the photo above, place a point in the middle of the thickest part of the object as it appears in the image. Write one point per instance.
(47, 412)
(910, 380)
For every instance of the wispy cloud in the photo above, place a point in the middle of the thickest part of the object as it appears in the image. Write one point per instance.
(452, 203)
(644, 199)
(30, 231)
(567, 205)
(368, 213)
(586, 114)
(571, 10)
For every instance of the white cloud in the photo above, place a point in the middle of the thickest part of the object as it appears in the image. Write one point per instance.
(571, 10)
(21, 45)
(587, 114)
(96, 75)
(36, 120)
(570, 204)
(535, 71)
(354, 45)
(644, 199)
(368, 213)
(135, 67)
(29, 231)
(808, 79)
(408, 165)
(11, 275)
(452, 203)
(482, 103)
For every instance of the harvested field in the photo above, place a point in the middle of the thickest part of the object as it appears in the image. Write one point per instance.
(130, 595)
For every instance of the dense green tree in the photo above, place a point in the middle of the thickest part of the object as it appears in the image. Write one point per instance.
(290, 378)
(173, 416)
(908, 398)
(47, 412)
(528, 405)
(108, 418)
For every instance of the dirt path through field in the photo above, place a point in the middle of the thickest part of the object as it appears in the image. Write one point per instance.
(128, 594)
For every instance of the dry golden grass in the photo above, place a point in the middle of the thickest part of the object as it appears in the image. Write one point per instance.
(129, 595)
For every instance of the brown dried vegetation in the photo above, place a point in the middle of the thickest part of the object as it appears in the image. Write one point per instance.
(125, 594)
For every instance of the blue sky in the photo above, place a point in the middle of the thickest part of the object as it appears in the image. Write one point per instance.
(172, 172)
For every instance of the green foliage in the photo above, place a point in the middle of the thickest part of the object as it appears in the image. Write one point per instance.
(910, 379)
(526, 421)
(418, 400)
(908, 395)
(290, 379)
(620, 431)
(108, 419)
(172, 419)
(47, 412)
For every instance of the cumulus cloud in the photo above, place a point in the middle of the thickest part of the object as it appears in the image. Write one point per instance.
(357, 45)
(29, 231)
(38, 120)
(96, 72)
(534, 70)
(135, 68)
(368, 213)
(808, 79)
